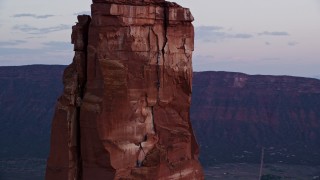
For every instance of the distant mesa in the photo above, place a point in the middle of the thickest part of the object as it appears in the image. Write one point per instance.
(234, 115)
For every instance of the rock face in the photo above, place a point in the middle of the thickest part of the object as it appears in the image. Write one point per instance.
(124, 112)
(235, 115)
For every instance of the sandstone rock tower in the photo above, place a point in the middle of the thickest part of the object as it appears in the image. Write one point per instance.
(124, 112)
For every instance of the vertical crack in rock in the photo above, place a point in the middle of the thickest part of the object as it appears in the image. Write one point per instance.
(163, 50)
(65, 154)
(124, 112)
(159, 52)
(81, 69)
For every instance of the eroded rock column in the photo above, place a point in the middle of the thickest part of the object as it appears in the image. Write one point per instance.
(134, 115)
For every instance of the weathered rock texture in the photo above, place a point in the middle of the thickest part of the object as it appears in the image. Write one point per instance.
(124, 113)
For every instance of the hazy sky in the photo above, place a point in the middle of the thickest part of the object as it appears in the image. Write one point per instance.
(280, 37)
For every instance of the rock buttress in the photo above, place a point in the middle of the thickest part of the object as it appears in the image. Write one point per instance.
(133, 114)
(64, 161)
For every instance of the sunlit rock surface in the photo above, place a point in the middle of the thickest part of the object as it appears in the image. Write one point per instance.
(124, 112)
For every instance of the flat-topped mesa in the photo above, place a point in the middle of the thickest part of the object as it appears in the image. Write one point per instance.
(125, 112)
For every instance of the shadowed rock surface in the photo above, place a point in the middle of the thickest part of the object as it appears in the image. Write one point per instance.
(125, 109)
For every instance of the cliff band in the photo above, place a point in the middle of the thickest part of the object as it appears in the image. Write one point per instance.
(125, 109)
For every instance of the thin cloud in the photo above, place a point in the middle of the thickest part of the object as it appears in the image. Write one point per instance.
(51, 46)
(35, 37)
(53, 52)
(34, 30)
(268, 59)
(217, 33)
(240, 36)
(33, 16)
(274, 33)
(18, 56)
(209, 33)
(11, 43)
(292, 43)
(58, 45)
(267, 43)
(210, 28)
(18, 51)
(83, 12)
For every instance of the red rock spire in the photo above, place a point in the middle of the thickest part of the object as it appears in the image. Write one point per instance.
(124, 113)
